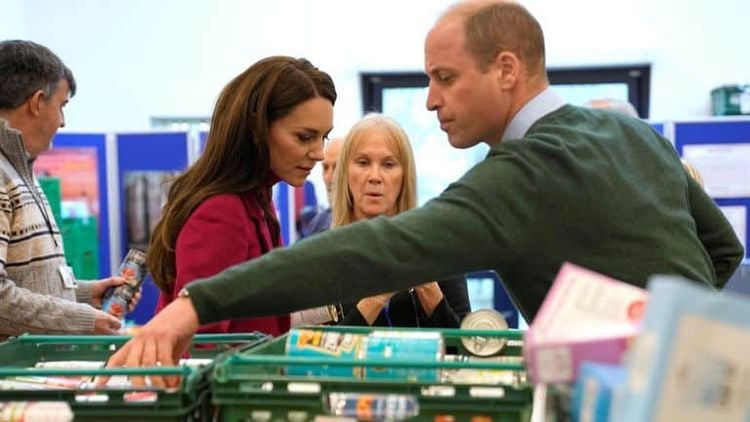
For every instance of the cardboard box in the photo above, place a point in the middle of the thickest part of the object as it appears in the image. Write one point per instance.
(586, 316)
(691, 362)
(596, 385)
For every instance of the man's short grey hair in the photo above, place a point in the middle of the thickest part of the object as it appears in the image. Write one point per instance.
(27, 67)
(615, 104)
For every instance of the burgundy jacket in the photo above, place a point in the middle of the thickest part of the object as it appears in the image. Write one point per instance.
(224, 230)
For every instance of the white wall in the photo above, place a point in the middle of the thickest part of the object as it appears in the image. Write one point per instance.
(11, 19)
(140, 58)
(693, 45)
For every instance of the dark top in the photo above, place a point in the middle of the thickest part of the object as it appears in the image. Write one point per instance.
(320, 223)
(404, 309)
(591, 187)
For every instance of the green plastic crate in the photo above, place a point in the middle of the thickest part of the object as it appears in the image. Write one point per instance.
(253, 384)
(189, 402)
(51, 188)
(80, 237)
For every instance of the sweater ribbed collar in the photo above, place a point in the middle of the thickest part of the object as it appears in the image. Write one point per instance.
(11, 145)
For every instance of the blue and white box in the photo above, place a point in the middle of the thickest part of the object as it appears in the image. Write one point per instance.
(691, 362)
(592, 398)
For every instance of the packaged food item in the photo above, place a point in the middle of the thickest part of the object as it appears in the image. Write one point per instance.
(322, 315)
(133, 270)
(595, 388)
(76, 381)
(371, 407)
(484, 319)
(321, 343)
(53, 383)
(420, 346)
(483, 376)
(379, 345)
(586, 316)
(35, 411)
(690, 363)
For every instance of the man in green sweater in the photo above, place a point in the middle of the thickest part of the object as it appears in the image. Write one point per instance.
(560, 183)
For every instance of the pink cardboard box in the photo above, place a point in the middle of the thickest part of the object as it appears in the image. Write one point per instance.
(586, 316)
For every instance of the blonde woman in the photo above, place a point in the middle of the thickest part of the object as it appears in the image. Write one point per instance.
(376, 177)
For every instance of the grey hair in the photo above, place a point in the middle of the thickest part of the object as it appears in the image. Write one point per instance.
(27, 67)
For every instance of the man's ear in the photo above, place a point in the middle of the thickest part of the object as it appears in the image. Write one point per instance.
(508, 69)
(34, 103)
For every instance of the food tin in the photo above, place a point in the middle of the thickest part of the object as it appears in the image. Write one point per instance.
(484, 319)
(133, 269)
(418, 346)
(321, 343)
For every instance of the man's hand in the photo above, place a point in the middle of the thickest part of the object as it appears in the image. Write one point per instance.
(99, 287)
(161, 342)
(106, 324)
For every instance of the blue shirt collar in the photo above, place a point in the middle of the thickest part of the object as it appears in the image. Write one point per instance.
(544, 103)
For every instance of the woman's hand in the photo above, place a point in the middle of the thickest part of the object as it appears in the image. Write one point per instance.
(370, 307)
(429, 295)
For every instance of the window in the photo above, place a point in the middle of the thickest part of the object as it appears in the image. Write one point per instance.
(403, 97)
(627, 83)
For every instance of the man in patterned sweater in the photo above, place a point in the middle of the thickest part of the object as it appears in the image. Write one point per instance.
(38, 292)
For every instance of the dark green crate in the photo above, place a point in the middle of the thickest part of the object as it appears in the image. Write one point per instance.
(252, 384)
(81, 240)
(51, 188)
(189, 402)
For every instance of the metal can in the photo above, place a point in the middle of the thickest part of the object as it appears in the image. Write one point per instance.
(403, 345)
(322, 343)
(484, 319)
(373, 407)
(133, 270)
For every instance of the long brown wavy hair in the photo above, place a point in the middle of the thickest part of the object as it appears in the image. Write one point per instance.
(236, 158)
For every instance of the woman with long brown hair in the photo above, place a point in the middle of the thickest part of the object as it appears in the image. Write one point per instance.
(269, 125)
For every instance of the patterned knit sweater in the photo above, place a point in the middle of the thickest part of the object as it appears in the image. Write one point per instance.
(33, 297)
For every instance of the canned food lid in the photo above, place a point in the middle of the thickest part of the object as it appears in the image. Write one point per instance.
(484, 319)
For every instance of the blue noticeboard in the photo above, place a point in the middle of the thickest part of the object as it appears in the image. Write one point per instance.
(283, 209)
(734, 131)
(658, 127)
(146, 163)
(97, 143)
(719, 132)
(202, 139)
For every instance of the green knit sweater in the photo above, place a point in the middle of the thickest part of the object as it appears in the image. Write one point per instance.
(591, 187)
